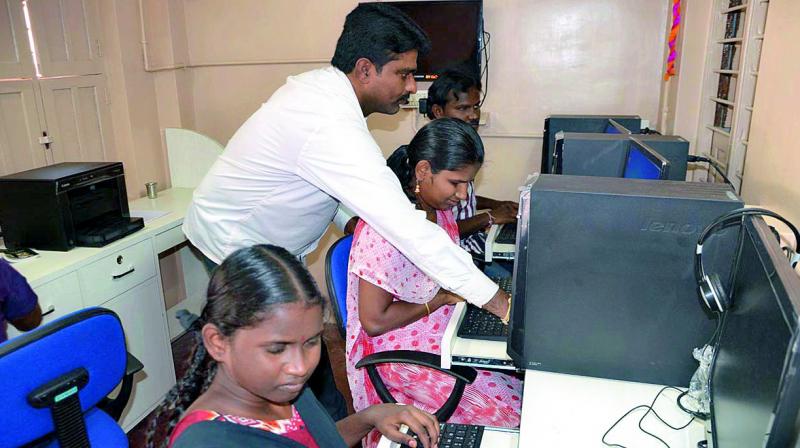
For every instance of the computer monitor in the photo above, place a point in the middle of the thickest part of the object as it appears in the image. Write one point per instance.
(643, 162)
(755, 389)
(455, 29)
(612, 127)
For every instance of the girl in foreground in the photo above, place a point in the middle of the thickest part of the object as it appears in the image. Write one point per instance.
(260, 335)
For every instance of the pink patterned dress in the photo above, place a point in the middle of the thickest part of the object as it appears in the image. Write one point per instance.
(493, 399)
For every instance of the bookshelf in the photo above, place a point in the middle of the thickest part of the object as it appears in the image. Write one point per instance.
(731, 75)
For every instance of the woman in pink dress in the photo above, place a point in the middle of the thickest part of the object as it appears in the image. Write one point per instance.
(392, 305)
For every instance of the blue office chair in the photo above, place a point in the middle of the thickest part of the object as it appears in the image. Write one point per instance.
(54, 381)
(336, 263)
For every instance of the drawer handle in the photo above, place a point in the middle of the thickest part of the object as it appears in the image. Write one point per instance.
(49, 310)
(119, 276)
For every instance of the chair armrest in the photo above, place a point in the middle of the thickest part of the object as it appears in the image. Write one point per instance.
(115, 406)
(464, 373)
(133, 365)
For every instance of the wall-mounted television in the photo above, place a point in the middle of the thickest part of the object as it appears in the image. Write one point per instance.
(456, 31)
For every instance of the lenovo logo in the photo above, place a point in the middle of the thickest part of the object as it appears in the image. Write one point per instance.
(671, 227)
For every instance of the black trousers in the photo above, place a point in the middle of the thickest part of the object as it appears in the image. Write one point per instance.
(321, 381)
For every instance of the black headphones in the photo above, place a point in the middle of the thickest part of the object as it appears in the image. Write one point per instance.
(710, 286)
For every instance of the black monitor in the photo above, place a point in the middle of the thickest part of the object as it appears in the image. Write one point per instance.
(643, 162)
(612, 127)
(456, 32)
(755, 391)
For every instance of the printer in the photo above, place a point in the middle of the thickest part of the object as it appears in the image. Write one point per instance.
(69, 204)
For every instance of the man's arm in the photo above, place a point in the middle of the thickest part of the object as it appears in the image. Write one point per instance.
(20, 304)
(29, 321)
(467, 227)
(347, 164)
(482, 203)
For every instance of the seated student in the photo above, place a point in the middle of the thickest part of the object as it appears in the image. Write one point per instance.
(18, 303)
(457, 94)
(392, 305)
(258, 343)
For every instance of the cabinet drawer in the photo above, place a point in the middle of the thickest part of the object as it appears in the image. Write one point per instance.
(112, 275)
(56, 298)
(169, 239)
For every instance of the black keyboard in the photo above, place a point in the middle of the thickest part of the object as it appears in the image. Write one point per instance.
(483, 325)
(504, 283)
(507, 234)
(456, 435)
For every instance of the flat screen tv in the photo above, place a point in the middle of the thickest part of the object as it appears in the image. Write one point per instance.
(455, 29)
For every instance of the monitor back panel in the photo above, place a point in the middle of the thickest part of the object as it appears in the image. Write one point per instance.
(673, 148)
(579, 123)
(589, 154)
(586, 154)
(609, 286)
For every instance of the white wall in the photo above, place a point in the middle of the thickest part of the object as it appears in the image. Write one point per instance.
(548, 57)
(773, 154)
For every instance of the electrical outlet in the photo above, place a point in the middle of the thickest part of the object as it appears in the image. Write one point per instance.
(484, 120)
(413, 99)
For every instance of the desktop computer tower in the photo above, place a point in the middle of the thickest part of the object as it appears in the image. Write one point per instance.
(604, 280)
(592, 154)
(579, 123)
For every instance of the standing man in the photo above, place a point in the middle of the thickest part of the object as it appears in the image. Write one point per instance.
(19, 305)
(456, 93)
(284, 172)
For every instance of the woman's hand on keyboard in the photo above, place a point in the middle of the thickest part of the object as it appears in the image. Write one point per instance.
(387, 419)
(444, 297)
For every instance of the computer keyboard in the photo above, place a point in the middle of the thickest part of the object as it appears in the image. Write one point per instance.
(504, 283)
(456, 435)
(483, 325)
(507, 234)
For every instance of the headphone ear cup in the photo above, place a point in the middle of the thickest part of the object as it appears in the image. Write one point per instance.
(713, 294)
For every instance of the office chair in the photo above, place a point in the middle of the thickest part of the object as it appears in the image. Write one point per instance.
(54, 381)
(336, 263)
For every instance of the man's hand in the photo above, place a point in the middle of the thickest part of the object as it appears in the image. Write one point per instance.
(499, 304)
(504, 214)
(387, 419)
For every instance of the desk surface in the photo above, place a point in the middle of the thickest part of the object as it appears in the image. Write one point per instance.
(52, 264)
(569, 410)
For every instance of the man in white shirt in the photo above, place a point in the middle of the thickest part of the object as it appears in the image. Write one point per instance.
(284, 172)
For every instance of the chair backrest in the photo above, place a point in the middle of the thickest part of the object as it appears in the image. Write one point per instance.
(190, 155)
(91, 339)
(336, 263)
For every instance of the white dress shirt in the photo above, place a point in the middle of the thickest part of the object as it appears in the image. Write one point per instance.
(282, 174)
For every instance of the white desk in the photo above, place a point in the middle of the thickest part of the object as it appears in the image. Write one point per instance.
(83, 277)
(569, 410)
(575, 411)
(471, 352)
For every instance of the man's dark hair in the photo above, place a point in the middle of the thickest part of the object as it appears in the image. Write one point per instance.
(379, 33)
(450, 81)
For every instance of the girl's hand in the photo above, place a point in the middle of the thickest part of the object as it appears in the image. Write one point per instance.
(444, 297)
(387, 419)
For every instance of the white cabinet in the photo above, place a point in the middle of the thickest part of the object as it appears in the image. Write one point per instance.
(57, 298)
(142, 313)
(116, 273)
(126, 282)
